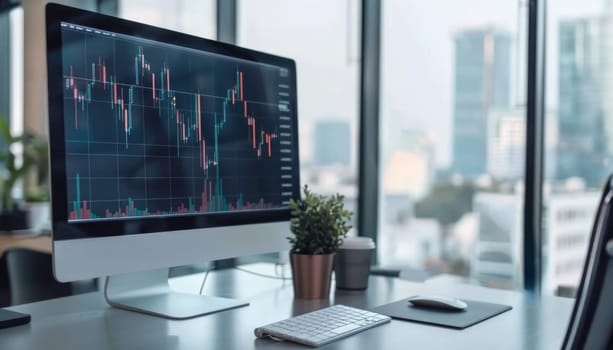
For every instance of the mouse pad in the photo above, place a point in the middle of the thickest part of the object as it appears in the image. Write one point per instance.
(476, 312)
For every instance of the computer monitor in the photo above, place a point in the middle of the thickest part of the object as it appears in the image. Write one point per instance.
(166, 149)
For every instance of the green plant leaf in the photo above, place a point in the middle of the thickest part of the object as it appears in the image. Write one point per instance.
(34, 156)
(5, 130)
(319, 224)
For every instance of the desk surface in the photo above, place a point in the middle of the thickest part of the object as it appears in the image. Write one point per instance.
(87, 322)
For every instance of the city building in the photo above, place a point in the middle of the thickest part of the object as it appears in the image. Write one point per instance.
(585, 109)
(497, 259)
(506, 143)
(482, 81)
(506, 146)
(567, 222)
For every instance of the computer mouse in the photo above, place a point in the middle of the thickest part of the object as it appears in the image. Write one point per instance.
(438, 302)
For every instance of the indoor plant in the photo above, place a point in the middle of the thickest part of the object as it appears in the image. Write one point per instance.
(319, 225)
(33, 155)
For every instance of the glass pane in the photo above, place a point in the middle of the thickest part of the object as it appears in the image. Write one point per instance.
(453, 125)
(5, 68)
(322, 36)
(579, 67)
(196, 17)
(15, 57)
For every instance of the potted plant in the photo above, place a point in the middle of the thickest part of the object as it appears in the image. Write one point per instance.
(319, 225)
(33, 155)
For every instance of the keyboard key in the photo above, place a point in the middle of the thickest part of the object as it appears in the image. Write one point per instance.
(346, 328)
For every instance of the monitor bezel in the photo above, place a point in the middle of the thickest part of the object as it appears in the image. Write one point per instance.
(65, 230)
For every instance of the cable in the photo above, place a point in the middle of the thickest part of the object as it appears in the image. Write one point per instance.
(277, 277)
(206, 274)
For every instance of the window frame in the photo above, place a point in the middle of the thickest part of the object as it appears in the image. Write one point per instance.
(534, 166)
(369, 121)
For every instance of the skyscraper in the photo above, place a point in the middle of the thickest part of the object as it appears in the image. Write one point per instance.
(567, 219)
(506, 144)
(584, 92)
(497, 261)
(332, 143)
(481, 82)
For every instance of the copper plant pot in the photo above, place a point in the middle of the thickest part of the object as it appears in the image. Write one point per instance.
(312, 274)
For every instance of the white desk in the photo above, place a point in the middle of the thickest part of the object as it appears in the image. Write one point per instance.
(87, 322)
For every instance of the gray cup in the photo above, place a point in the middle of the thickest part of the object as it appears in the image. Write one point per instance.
(352, 263)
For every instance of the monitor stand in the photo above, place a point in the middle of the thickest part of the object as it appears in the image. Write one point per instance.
(148, 292)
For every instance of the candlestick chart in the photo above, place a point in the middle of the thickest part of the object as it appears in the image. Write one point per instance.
(154, 129)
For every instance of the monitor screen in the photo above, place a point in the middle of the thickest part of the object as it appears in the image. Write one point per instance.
(157, 131)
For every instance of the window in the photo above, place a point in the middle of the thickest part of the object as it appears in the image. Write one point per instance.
(11, 57)
(5, 62)
(452, 118)
(453, 124)
(322, 36)
(11, 75)
(578, 78)
(16, 71)
(196, 17)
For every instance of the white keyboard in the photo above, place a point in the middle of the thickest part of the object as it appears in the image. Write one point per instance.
(322, 326)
